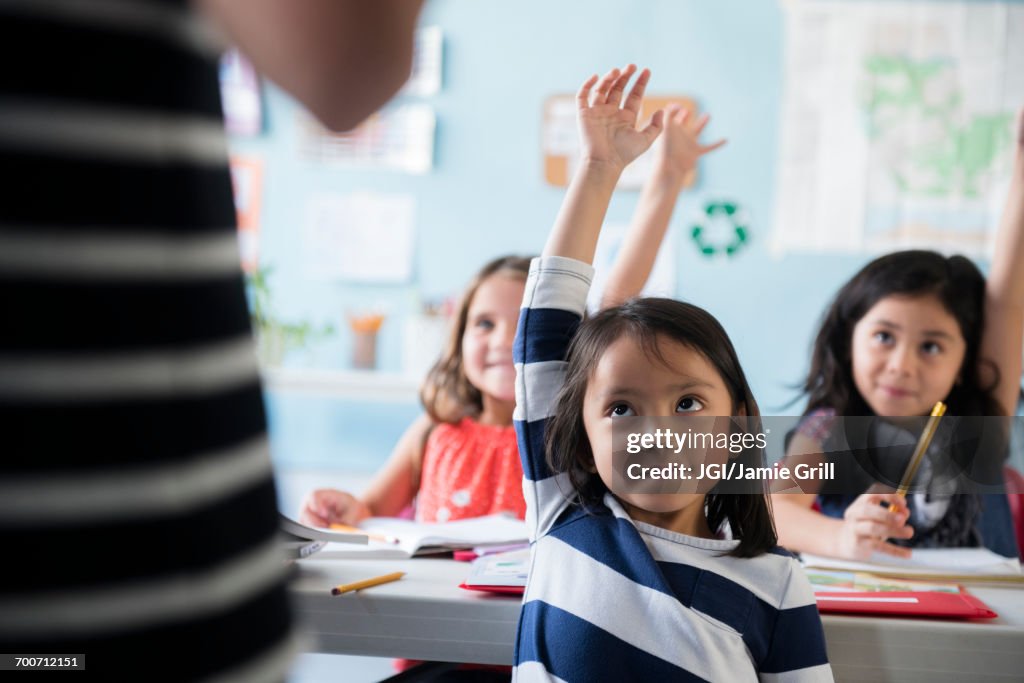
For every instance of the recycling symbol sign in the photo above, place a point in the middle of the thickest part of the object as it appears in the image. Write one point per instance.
(722, 228)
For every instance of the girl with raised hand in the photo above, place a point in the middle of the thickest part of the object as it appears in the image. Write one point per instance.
(423, 465)
(626, 585)
(908, 330)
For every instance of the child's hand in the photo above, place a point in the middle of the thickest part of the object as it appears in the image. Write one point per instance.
(867, 525)
(680, 146)
(325, 507)
(608, 133)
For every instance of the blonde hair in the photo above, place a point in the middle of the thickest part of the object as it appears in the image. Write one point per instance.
(446, 393)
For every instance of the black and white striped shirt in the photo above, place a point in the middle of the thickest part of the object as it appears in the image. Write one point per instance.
(137, 503)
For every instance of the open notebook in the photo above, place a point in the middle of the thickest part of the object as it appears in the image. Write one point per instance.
(391, 538)
(958, 564)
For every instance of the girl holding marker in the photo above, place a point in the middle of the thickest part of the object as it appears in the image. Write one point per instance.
(909, 330)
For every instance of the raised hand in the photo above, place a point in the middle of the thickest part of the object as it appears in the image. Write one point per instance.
(680, 143)
(608, 131)
(867, 526)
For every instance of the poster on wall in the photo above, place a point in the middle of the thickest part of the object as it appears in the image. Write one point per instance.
(247, 184)
(896, 124)
(425, 79)
(561, 147)
(359, 237)
(240, 95)
(399, 138)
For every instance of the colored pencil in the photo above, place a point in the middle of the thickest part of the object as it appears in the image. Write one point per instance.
(366, 583)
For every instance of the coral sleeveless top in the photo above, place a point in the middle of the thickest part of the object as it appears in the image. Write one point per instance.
(470, 470)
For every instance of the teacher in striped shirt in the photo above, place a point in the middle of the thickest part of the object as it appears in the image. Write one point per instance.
(137, 503)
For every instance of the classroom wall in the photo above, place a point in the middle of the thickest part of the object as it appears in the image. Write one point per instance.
(486, 194)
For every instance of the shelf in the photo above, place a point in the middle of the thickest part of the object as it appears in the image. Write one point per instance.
(349, 384)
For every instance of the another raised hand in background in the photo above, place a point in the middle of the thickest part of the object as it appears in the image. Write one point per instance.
(1003, 338)
(680, 147)
(675, 158)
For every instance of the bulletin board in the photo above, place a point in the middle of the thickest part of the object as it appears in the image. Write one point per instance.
(560, 141)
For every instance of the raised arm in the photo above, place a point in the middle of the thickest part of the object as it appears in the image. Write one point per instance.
(556, 290)
(675, 159)
(1003, 339)
(343, 59)
(610, 141)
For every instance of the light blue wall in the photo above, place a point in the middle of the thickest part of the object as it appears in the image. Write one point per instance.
(486, 194)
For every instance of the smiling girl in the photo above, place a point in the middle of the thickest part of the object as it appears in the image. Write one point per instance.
(910, 329)
(458, 460)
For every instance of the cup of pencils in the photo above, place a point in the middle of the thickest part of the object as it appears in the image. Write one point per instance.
(365, 327)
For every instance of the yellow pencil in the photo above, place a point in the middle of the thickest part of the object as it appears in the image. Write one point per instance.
(938, 410)
(356, 530)
(366, 583)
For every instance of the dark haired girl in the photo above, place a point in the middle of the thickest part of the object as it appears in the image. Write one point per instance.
(626, 584)
(910, 329)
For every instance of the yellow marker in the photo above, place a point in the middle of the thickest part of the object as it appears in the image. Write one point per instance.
(922, 446)
(366, 583)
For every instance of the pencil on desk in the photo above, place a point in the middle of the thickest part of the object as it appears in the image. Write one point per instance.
(366, 583)
(922, 446)
(356, 530)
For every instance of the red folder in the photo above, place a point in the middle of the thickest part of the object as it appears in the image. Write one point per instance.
(508, 590)
(960, 605)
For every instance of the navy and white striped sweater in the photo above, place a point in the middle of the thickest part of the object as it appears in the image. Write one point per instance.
(613, 599)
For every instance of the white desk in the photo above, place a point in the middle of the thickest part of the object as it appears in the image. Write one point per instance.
(427, 616)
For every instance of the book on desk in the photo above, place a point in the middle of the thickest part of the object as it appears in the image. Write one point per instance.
(499, 572)
(976, 565)
(299, 541)
(395, 539)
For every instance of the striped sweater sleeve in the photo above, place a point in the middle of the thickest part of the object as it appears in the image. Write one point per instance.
(553, 305)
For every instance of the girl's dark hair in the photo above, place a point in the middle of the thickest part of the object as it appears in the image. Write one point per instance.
(958, 285)
(446, 393)
(645, 320)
